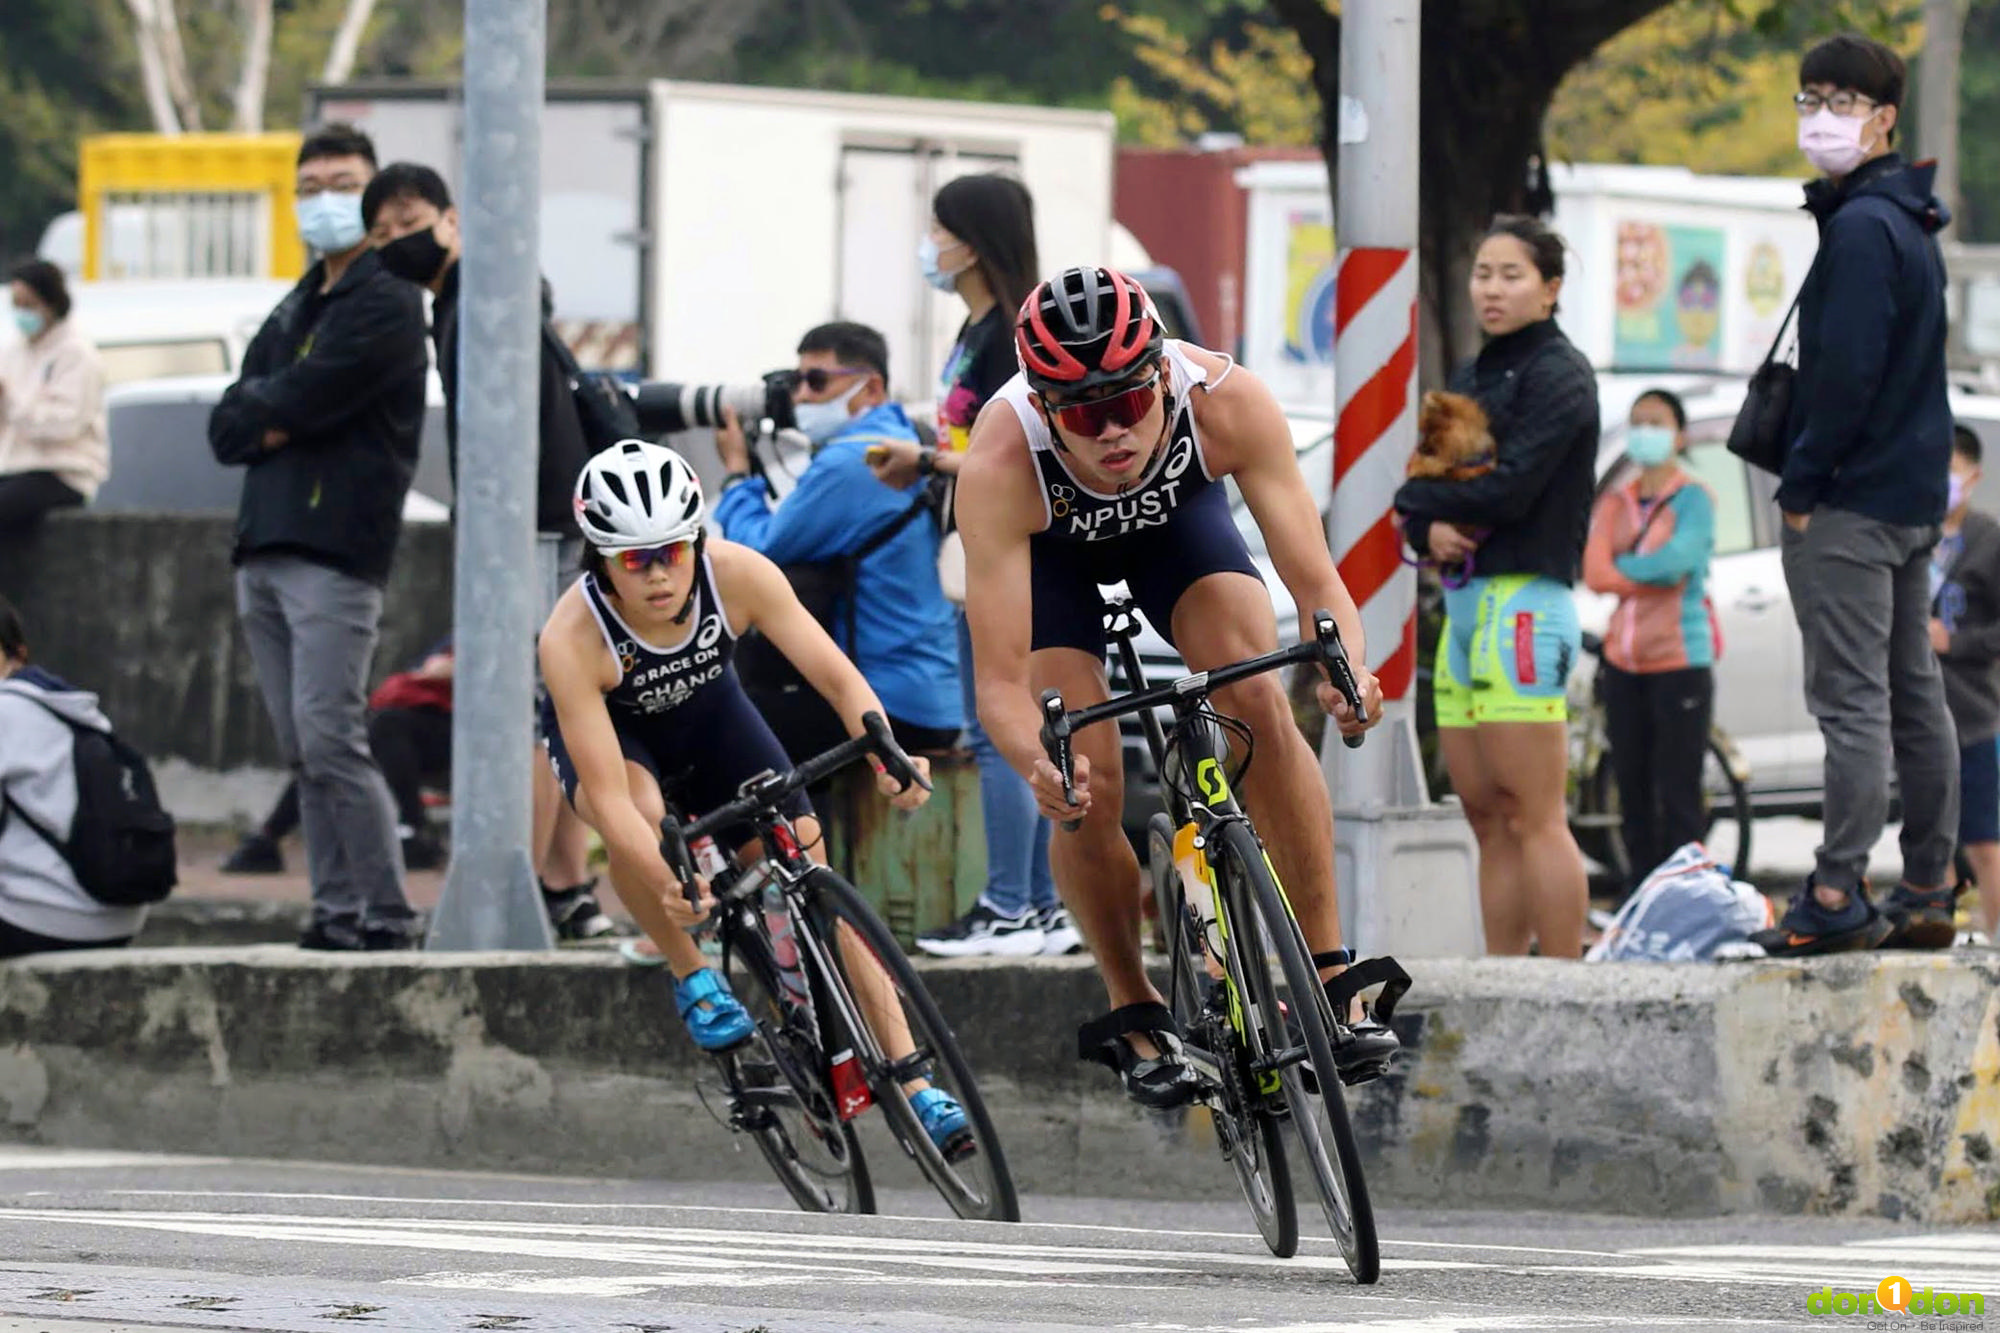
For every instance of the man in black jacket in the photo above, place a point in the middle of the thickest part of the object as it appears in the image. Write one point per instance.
(408, 211)
(1863, 494)
(325, 419)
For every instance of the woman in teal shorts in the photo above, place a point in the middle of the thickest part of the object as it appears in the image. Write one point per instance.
(1510, 635)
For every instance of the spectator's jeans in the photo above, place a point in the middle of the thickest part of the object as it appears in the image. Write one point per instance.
(312, 632)
(26, 496)
(1861, 593)
(1658, 726)
(1017, 837)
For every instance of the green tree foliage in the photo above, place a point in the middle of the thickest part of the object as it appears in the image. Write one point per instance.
(64, 72)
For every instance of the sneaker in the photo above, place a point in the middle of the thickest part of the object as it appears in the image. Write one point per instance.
(1059, 933)
(983, 932)
(1920, 919)
(424, 851)
(715, 1018)
(944, 1120)
(328, 936)
(255, 855)
(391, 939)
(575, 914)
(1808, 928)
(641, 952)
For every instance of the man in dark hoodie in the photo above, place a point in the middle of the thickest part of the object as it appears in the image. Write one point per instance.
(325, 419)
(411, 221)
(1863, 493)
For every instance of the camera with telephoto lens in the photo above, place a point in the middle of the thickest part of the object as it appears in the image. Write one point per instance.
(665, 407)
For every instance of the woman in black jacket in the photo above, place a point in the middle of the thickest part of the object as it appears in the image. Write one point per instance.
(1511, 634)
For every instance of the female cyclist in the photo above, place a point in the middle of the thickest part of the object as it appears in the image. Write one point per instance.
(643, 705)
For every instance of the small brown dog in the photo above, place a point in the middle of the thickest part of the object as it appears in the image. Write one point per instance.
(1454, 439)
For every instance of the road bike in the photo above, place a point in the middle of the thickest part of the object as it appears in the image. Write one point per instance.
(1259, 1027)
(791, 932)
(1594, 815)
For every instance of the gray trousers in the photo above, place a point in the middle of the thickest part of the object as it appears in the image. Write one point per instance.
(312, 633)
(1861, 591)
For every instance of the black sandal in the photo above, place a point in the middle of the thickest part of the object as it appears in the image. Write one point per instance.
(1370, 1045)
(1160, 1082)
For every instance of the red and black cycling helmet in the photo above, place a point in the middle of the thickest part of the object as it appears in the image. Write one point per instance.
(1084, 329)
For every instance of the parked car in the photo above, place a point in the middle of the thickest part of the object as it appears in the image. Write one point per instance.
(1760, 697)
(160, 459)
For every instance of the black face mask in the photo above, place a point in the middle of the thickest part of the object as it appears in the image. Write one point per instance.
(415, 258)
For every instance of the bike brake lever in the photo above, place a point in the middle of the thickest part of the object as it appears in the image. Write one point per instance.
(1055, 741)
(1340, 672)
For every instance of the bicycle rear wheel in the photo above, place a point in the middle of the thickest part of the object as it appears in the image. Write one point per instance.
(779, 1093)
(1729, 814)
(1247, 1134)
(1283, 981)
(970, 1171)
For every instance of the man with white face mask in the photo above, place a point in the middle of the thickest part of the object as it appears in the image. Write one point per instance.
(325, 420)
(1863, 494)
(875, 545)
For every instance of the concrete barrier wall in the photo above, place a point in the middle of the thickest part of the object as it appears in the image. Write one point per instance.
(141, 608)
(1867, 1085)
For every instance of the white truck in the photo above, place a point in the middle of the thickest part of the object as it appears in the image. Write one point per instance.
(693, 231)
(1669, 272)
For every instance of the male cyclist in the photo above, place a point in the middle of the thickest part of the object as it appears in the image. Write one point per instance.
(1102, 461)
(644, 703)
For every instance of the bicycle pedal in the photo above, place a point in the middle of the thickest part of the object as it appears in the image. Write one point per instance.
(959, 1147)
(1367, 1073)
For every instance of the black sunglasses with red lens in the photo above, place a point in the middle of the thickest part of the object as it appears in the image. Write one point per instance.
(1124, 409)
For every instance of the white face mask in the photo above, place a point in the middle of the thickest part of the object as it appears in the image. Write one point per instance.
(1831, 142)
(330, 221)
(927, 261)
(820, 422)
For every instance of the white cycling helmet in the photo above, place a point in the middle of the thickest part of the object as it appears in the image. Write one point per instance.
(635, 495)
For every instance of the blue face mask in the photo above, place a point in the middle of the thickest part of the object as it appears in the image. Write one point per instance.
(820, 422)
(330, 222)
(1649, 446)
(927, 261)
(29, 322)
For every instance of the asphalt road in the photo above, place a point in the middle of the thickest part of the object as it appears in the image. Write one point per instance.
(105, 1242)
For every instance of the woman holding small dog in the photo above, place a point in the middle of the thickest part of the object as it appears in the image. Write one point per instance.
(1650, 543)
(1510, 637)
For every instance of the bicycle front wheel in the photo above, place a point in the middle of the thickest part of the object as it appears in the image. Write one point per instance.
(778, 1091)
(1293, 1023)
(1246, 1126)
(908, 1049)
(1729, 817)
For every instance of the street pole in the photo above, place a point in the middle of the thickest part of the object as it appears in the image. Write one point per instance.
(1406, 869)
(1937, 110)
(491, 899)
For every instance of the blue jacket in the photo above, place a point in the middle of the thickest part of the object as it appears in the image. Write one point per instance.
(906, 632)
(1870, 424)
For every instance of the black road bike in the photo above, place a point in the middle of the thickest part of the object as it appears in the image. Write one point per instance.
(791, 932)
(1259, 1026)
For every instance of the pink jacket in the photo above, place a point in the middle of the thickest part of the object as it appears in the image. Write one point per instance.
(52, 409)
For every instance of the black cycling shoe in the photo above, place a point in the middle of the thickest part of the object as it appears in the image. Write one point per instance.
(1369, 1044)
(1159, 1082)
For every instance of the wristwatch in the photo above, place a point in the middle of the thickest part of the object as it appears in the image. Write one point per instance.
(926, 462)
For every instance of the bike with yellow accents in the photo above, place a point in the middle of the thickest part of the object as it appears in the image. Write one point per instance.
(1256, 1023)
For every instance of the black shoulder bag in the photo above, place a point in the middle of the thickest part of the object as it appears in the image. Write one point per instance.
(1761, 435)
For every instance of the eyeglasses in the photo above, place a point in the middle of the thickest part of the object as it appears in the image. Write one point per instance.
(1125, 409)
(819, 377)
(1841, 102)
(670, 555)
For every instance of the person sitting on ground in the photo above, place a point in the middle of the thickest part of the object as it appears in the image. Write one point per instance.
(42, 907)
(631, 724)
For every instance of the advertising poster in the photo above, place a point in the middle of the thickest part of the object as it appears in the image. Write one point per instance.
(1309, 271)
(1670, 292)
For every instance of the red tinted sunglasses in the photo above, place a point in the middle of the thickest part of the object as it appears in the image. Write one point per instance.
(673, 553)
(1125, 409)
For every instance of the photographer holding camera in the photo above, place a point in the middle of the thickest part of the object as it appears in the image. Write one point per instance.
(867, 551)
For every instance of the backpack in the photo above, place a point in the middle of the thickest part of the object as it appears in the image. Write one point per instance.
(805, 723)
(121, 843)
(1688, 910)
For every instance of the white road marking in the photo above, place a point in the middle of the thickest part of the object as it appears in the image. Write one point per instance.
(19, 1158)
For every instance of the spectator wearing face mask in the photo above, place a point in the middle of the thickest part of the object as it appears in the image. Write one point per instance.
(54, 452)
(1650, 544)
(904, 636)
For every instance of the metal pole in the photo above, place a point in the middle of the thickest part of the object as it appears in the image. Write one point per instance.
(1374, 362)
(491, 899)
(1937, 111)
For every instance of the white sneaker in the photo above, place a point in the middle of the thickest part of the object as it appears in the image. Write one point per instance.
(1059, 933)
(983, 932)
